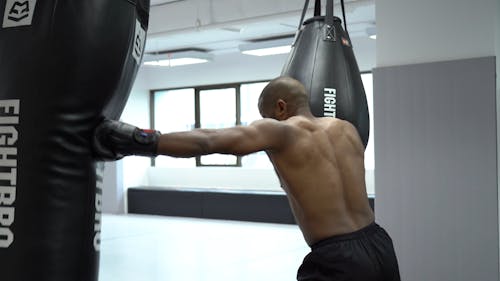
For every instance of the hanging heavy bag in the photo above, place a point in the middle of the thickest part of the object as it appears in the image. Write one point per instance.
(323, 60)
(63, 65)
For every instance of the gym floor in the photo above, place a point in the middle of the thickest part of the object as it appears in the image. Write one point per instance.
(153, 248)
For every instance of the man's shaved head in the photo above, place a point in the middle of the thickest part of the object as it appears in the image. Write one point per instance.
(291, 91)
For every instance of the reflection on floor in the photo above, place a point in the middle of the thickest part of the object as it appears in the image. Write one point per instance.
(148, 248)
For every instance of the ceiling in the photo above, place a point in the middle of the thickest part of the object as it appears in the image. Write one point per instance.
(220, 26)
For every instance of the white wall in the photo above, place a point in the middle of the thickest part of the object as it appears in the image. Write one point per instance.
(215, 177)
(113, 191)
(411, 31)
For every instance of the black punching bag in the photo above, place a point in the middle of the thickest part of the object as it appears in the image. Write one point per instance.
(323, 60)
(63, 66)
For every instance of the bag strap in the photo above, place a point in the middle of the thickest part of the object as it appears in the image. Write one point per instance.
(329, 12)
(329, 18)
(317, 11)
(317, 8)
(343, 15)
(304, 11)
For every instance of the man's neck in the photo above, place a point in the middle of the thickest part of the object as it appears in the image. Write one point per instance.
(304, 112)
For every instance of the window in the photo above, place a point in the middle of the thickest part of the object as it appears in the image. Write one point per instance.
(250, 112)
(367, 79)
(217, 109)
(173, 111)
(370, 150)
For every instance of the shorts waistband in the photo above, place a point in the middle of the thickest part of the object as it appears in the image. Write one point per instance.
(348, 236)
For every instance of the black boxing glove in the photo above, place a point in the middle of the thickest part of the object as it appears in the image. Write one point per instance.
(114, 140)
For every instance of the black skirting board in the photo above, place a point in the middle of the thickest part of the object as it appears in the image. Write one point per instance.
(270, 207)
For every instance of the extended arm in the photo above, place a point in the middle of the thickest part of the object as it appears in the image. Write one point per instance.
(261, 135)
(114, 140)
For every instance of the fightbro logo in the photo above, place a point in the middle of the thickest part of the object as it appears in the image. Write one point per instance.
(18, 13)
(139, 42)
(330, 102)
(98, 205)
(9, 122)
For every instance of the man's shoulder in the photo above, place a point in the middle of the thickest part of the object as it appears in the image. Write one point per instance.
(335, 127)
(266, 122)
(336, 124)
(295, 120)
(270, 126)
(316, 122)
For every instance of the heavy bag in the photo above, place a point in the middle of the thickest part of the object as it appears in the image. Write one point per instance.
(323, 60)
(63, 65)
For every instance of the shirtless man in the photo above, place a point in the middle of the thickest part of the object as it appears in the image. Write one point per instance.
(320, 164)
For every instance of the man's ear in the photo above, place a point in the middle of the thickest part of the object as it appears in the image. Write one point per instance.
(281, 105)
(281, 109)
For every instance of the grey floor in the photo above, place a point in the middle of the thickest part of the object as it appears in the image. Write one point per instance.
(148, 248)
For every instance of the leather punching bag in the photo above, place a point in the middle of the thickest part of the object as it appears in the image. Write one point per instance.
(63, 66)
(323, 60)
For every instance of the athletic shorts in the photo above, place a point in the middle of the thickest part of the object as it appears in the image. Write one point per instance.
(365, 255)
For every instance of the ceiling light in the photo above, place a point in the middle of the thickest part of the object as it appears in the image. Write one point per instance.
(267, 47)
(175, 62)
(372, 32)
(179, 58)
(269, 51)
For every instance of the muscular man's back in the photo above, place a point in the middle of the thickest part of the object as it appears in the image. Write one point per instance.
(321, 168)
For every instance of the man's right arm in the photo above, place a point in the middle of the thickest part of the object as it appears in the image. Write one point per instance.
(261, 135)
(114, 140)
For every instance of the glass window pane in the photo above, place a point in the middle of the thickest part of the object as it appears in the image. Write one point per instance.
(174, 112)
(218, 110)
(370, 150)
(249, 102)
(250, 112)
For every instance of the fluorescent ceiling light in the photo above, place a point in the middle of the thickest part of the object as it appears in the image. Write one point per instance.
(267, 47)
(268, 51)
(172, 59)
(372, 32)
(175, 62)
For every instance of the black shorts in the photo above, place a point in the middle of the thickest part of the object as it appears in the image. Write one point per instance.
(364, 255)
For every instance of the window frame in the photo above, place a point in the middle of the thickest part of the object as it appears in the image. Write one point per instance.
(197, 117)
(197, 113)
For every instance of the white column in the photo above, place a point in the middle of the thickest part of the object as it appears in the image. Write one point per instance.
(113, 191)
